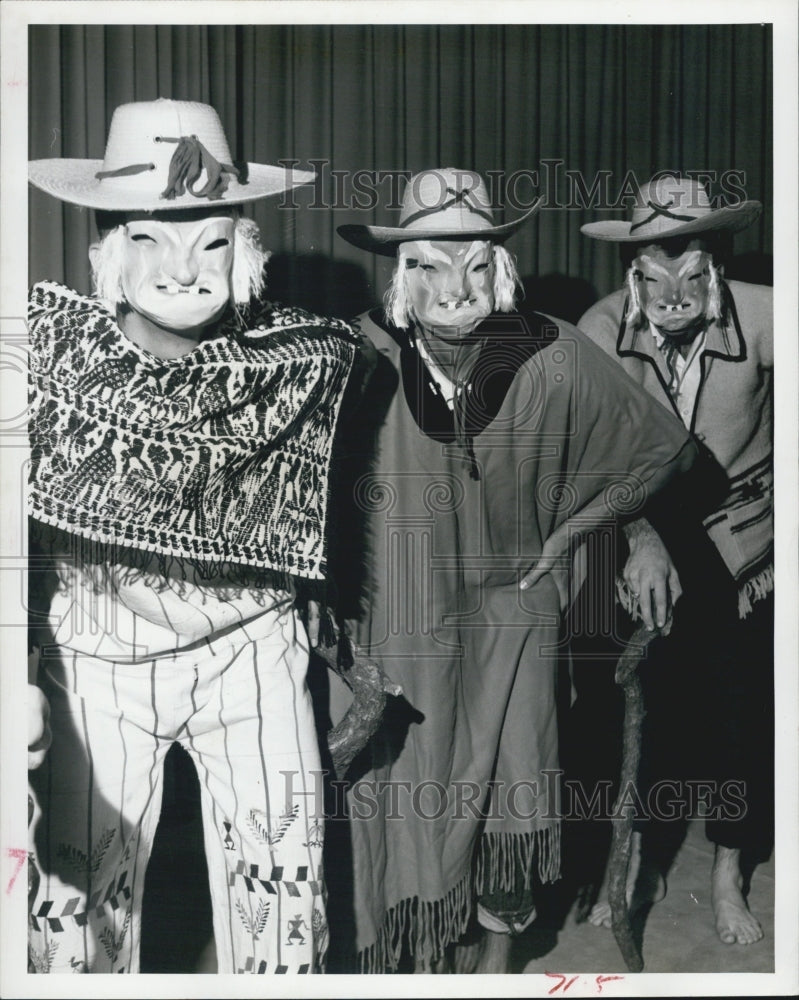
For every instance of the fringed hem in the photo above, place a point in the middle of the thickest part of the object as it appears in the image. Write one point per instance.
(749, 593)
(754, 590)
(503, 855)
(428, 927)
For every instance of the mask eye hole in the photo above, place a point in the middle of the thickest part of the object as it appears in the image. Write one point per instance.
(480, 268)
(142, 238)
(427, 267)
(217, 244)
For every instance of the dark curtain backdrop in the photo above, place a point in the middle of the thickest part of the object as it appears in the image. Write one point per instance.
(366, 98)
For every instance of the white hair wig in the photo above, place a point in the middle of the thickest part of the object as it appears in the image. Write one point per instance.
(399, 310)
(247, 277)
(635, 314)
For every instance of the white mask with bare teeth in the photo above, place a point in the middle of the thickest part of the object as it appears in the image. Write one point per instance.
(177, 273)
(450, 284)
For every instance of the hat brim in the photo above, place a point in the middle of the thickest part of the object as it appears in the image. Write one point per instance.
(385, 239)
(721, 219)
(74, 181)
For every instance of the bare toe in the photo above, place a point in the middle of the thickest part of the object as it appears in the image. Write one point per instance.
(725, 932)
(649, 887)
(600, 915)
(466, 958)
(735, 924)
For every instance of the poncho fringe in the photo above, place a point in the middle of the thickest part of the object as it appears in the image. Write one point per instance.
(429, 927)
(502, 856)
(757, 588)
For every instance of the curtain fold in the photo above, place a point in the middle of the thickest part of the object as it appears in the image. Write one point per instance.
(568, 109)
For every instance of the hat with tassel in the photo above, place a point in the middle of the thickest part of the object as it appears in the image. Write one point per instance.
(162, 155)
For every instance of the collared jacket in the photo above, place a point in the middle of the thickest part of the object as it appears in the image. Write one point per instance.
(732, 417)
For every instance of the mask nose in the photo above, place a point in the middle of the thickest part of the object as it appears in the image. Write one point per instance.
(673, 295)
(181, 265)
(457, 286)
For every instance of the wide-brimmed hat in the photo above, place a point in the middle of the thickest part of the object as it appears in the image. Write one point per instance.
(162, 155)
(669, 206)
(442, 204)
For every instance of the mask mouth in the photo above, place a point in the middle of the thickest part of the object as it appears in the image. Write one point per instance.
(172, 288)
(682, 307)
(451, 305)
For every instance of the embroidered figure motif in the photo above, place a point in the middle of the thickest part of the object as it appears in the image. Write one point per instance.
(228, 840)
(315, 835)
(295, 934)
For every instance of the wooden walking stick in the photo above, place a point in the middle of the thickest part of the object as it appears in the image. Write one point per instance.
(369, 685)
(621, 843)
(370, 688)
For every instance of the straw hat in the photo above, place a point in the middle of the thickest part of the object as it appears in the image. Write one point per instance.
(442, 204)
(162, 155)
(669, 207)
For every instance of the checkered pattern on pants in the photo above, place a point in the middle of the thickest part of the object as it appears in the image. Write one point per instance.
(240, 707)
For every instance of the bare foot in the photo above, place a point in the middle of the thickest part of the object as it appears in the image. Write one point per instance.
(494, 953)
(645, 885)
(734, 923)
(432, 966)
(466, 957)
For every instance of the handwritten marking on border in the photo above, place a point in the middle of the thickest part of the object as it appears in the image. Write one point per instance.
(19, 854)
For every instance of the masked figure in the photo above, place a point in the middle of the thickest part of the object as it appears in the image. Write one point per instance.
(481, 439)
(702, 347)
(173, 419)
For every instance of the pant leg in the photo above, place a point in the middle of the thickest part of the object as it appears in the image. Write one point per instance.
(709, 727)
(741, 745)
(253, 739)
(507, 911)
(98, 798)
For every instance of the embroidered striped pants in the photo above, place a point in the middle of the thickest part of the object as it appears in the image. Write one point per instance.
(241, 709)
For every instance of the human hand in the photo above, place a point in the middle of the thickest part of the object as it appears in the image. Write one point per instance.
(39, 735)
(650, 574)
(552, 561)
(314, 617)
